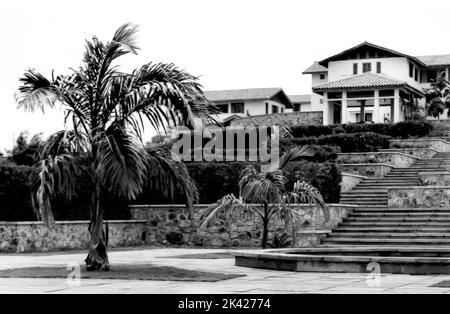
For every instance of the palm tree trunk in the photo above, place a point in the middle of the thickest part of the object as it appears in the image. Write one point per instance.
(97, 258)
(265, 220)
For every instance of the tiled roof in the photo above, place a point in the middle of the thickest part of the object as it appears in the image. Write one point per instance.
(364, 80)
(242, 94)
(435, 60)
(300, 98)
(247, 94)
(315, 68)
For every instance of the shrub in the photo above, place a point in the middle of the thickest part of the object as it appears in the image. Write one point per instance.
(321, 153)
(215, 180)
(326, 177)
(311, 130)
(405, 129)
(358, 142)
(412, 128)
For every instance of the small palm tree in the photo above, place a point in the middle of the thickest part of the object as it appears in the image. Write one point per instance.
(105, 110)
(264, 194)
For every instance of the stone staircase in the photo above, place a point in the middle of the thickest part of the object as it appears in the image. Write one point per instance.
(373, 191)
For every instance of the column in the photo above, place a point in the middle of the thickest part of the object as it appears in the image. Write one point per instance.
(326, 110)
(396, 117)
(376, 108)
(344, 110)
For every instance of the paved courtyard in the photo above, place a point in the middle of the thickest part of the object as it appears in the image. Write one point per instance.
(256, 280)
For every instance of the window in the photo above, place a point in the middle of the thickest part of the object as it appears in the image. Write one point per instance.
(274, 109)
(416, 74)
(355, 68)
(411, 69)
(223, 108)
(267, 108)
(367, 67)
(321, 101)
(322, 76)
(298, 107)
(378, 67)
(237, 107)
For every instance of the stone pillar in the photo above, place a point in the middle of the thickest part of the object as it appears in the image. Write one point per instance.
(376, 108)
(326, 110)
(396, 117)
(344, 110)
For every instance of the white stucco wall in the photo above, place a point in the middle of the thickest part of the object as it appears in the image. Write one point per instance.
(397, 68)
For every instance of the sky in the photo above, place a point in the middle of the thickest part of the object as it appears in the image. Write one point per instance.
(227, 43)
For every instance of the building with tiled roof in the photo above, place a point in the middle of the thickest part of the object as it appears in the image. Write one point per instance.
(249, 102)
(370, 83)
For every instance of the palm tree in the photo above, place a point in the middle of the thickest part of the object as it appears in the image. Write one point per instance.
(105, 111)
(264, 194)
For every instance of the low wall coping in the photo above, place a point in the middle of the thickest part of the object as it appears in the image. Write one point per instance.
(69, 222)
(306, 231)
(410, 148)
(179, 206)
(420, 140)
(377, 153)
(370, 164)
(346, 174)
(422, 187)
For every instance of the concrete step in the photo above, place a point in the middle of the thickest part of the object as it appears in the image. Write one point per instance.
(401, 214)
(392, 229)
(387, 241)
(398, 219)
(394, 224)
(403, 210)
(389, 235)
(300, 261)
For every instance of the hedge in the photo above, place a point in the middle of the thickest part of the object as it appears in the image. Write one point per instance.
(357, 142)
(326, 177)
(322, 153)
(16, 205)
(405, 129)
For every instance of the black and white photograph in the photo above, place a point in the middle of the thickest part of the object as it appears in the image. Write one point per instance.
(245, 149)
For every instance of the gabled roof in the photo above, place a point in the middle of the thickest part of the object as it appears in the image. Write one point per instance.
(249, 94)
(435, 60)
(389, 52)
(315, 68)
(300, 98)
(362, 81)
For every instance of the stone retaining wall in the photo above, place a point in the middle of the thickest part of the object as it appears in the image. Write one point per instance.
(283, 119)
(173, 224)
(435, 143)
(435, 178)
(349, 181)
(36, 237)
(391, 158)
(419, 196)
(425, 152)
(367, 170)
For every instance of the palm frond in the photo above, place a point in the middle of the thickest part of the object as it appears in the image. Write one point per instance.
(52, 176)
(169, 176)
(305, 193)
(226, 208)
(121, 163)
(295, 154)
(36, 91)
(259, 188)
